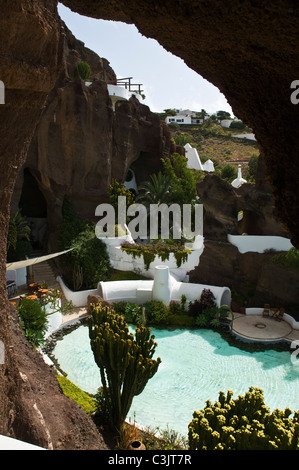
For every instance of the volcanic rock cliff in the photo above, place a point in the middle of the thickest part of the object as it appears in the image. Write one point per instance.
(81, 143)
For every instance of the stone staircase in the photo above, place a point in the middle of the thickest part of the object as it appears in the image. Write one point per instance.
(44, 272)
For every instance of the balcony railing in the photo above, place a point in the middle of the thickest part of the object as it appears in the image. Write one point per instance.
(127, 83)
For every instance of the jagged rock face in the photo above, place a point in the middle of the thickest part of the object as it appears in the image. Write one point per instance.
(32, 406)
(220, 207)
(81, 143)
(249, 51)
(252, 275)
(222, 204)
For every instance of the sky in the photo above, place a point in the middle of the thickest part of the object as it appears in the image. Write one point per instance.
(167, 81)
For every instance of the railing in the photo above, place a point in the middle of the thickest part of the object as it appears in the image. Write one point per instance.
(126, 82)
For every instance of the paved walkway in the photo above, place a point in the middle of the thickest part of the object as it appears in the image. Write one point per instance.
(264, 329)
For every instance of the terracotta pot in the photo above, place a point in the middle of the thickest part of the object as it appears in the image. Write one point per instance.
(136, 445)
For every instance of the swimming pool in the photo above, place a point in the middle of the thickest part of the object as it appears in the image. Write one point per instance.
(196, 365)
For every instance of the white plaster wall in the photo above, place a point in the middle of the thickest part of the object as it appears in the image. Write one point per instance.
(79, 298)
(193, 158)
(54, 319)
(21, 276)
(177, 118)
(226, 122)
(122, 93)
(164, 287)
(123, 261)
(259, 243)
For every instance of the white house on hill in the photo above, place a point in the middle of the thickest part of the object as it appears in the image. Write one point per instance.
(184, 116)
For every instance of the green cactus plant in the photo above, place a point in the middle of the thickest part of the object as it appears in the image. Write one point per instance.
(243, 424)
(126, 363)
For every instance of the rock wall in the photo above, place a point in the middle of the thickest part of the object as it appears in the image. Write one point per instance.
(32, 406)
(81, 144)
(253, 278)
(222, 203)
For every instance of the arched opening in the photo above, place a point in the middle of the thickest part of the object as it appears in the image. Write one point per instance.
(33, 206)
(130, 182)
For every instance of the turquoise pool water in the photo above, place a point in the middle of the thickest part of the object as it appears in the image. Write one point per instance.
(195, 366)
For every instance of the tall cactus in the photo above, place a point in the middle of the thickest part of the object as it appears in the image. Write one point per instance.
(243, 424)
(126, 364)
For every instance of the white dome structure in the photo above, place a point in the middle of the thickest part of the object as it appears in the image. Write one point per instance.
(239, 180)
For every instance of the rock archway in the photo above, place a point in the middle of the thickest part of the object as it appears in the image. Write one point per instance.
(248, 49)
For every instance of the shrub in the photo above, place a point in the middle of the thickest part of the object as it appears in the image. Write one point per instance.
(290, 259)
(175, 308)
(117, 189)
(89, 259)
(205, 302)
(82, 398)
(119, 307)
(83, 70)
(161, 248)
(33, 320)
(182, 139)
(243, 424)
(194, 308)
(237, 125)
(229, 173)
(88, 262)
(132, 313)
(160, 313)
(207, 299)
(182, 320)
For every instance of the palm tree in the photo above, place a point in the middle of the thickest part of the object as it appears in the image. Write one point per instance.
(155, 191)
(18, 229)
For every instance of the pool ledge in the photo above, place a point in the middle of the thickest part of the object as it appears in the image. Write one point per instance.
(256, 328)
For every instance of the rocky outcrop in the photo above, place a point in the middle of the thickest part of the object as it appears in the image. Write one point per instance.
(253, 277)
(38, 411)
(81, 143)
(252, 62)
(32, 406)
(222, 203)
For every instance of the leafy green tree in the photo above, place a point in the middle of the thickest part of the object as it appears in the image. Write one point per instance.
(88, 262)
(126, 363)
(155, 191)
(117, 189)
(237, 125)
(223, 115)
(252, 167)
(182, 139)
(167, 112)
(243, 424)
(18, 229)
(202, 114)
(183, 182)
(228, 172)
